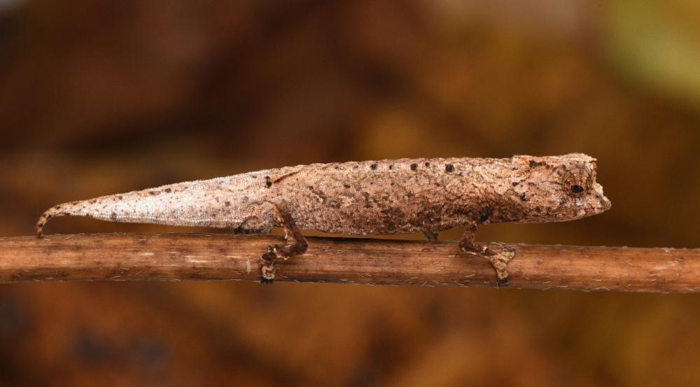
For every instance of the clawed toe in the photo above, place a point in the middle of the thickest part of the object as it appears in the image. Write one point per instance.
(281, 252)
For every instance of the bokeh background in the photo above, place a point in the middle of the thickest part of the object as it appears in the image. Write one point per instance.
(105, 97)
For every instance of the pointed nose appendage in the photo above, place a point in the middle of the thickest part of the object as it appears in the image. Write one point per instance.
(606, 203)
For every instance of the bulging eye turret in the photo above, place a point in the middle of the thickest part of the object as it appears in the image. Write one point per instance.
(577, 181)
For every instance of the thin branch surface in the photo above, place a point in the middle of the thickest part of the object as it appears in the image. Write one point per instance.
(359, 261)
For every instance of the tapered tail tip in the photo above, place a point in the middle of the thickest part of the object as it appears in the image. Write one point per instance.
(41, 223)
(44, 218)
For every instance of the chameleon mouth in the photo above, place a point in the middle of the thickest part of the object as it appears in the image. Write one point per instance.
(602, 203)
(599, 205)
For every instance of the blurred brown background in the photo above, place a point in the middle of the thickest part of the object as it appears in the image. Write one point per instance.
(105, 97)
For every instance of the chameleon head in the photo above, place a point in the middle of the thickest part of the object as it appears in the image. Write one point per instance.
(557, 188)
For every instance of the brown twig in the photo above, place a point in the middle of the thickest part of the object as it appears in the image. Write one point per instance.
(359, 261)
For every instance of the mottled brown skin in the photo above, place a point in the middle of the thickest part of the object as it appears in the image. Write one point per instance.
(366, 198)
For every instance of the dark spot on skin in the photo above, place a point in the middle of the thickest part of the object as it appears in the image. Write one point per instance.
(152, 193)
(391, 166)
(168, 190)
(486, 213)
(93, 201)
(346, 185)
(227, 204)
(114, 216)
(120, 197)
(523, 197)
(58, 207)
(449, 168)
(534, 163)
(374, 167)
(515, 184)
(268, 182)
(427, 164)
(414, 167)
(538, 209)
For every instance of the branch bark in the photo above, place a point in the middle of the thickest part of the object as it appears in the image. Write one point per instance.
(359, 261)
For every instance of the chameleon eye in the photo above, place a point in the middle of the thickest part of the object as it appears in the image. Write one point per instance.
(576, 181)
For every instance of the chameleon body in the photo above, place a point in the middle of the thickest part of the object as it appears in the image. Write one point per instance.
(365, 198)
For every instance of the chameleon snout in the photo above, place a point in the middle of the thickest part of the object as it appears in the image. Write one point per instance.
(602, 203)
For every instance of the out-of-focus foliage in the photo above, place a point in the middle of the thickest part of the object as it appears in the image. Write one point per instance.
(658, 41)
(99, 97)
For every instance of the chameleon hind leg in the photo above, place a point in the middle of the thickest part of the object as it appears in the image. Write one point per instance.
(295, 244)
(499, 260)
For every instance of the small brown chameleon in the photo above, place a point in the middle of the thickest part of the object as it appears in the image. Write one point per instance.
(365, 198)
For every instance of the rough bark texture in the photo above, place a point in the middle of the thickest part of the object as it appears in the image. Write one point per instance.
(360, 261)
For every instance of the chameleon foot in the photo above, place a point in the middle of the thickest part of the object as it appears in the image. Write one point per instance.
(267, 266)
(295, 245)
(499, 260)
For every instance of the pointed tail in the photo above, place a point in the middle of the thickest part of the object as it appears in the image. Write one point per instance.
(200, 203)
(76, 208)
(55, 211)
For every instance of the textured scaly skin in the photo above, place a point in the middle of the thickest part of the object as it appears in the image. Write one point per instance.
(364, 198)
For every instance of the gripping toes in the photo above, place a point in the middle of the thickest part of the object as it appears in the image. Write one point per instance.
(267, 266)
(295, 245)
(499, 260)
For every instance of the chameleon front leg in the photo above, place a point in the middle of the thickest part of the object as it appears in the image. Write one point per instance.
(499, 260)
(295, 245)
